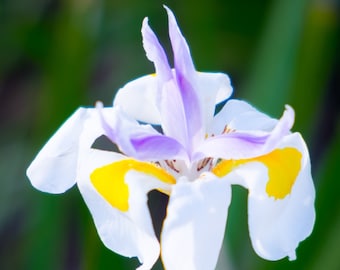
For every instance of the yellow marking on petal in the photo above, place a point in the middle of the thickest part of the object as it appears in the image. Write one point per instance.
(109, 180)
(226, 166)
(283, 168)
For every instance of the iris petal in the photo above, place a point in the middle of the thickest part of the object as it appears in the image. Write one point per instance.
(140, 141)
(54, 169)
(186, 78)
(158, 147)
(277, 226)
(140, 99)
(211, 88)
(155, 53)
(184, 66)
(128, 232)
(240, 115)
(193, 230)
(246, 144)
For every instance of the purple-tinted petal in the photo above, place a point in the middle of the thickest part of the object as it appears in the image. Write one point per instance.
(282, 128)
(186, 78)
(155, 52)
(172, 106)
(173, 118)
(239, 145)
(232, 146)
(182, 57)
(158, 147)
(142, 142)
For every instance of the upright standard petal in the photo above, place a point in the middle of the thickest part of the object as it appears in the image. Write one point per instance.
(240, 115)
(54, 169)
(115, 190)
(194, 227)
(171, 103)
(211, 88)
(140, 99)
(186, 78)
(155, 53)
(184, 67)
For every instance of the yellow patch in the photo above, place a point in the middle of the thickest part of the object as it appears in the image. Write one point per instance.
(109, 180)
(283, 168)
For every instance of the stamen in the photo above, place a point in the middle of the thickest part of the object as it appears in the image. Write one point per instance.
(204, 162)
(171, 164)
(228, 130)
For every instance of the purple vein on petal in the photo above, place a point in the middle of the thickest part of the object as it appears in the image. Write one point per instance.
(182, 57)
(232, 146)
(171, 104)
(239, 145)
(155, 52)
(142, 142)
(186, 80)
(158, 147)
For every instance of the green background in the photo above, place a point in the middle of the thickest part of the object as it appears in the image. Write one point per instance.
(58, 55)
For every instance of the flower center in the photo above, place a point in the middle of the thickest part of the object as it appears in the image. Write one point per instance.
(181, 170)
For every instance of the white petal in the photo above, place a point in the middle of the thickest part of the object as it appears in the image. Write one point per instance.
(277, 226)
(212, 88)
(194, 227)
(54, 168)
(129, 233)
(215, 86)
(240, 115)
(139, 99)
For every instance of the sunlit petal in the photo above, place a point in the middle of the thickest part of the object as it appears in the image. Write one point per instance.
(127, 231)
(247, 143)
(140, 99)
(211, 88)
(240, 115)
(139, 141)
(54, 168)
(278, 223)
(158, 147)
(186, 78)
(184, 66)
(155, 53)
(194, 227)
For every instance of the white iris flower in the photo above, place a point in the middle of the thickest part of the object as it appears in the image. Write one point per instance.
(194, 157)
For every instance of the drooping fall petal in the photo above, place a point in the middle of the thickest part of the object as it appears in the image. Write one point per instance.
(281, 197)
(193, 230)
(54, 169)
(115, 190)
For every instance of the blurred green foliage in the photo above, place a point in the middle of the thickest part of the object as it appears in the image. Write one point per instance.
(58, 55)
